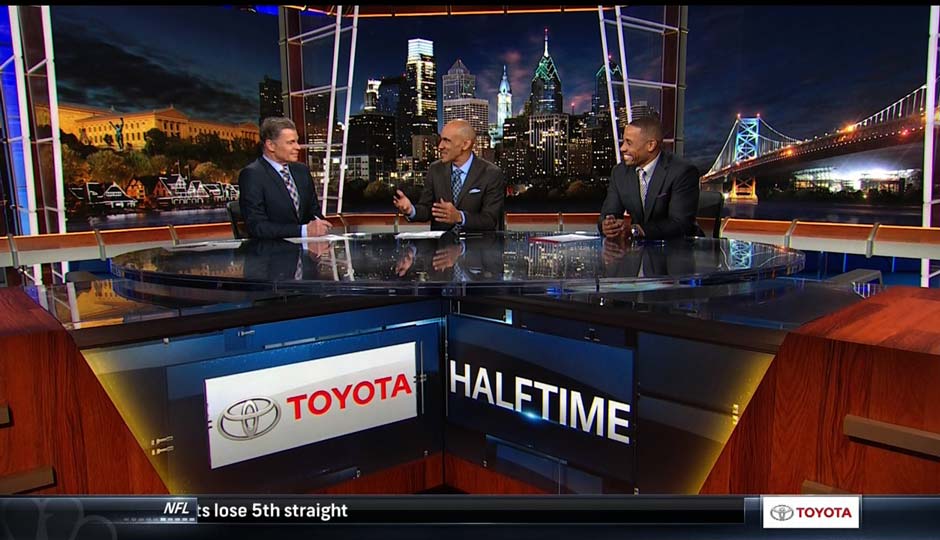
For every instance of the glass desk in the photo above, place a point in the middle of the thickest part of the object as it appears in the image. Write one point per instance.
(700, 318)
(451, 265)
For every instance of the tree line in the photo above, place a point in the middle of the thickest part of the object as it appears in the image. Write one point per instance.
(206, 157)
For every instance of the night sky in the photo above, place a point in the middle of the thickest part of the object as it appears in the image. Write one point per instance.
(806, 69)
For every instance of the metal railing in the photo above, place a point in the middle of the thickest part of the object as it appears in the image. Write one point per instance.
(861, 239)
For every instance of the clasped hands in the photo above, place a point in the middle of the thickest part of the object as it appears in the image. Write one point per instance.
(616, 236)
(614, 228)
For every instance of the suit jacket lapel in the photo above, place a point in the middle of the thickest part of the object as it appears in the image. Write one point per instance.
(278, 180)
(632, 189)
(441, 182)
(304, 187)
(656, 185)
(476, 170)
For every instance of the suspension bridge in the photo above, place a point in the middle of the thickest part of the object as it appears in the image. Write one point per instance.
(754, 147)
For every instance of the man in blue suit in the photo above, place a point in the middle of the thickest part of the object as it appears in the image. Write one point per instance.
(276, 193)
(656, 188)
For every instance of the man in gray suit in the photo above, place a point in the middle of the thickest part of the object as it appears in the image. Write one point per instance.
(656, 188)
(461, 188)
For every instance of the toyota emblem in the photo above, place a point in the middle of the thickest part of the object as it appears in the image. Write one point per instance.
(781, 512)
(249, 419)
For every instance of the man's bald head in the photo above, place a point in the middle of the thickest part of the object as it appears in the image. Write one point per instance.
(457, 140)
(464, 128)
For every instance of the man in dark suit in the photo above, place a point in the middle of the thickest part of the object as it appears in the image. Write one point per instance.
(657, 189)
(674, 258)
(276, 193)
(270, 260)
(460, 188)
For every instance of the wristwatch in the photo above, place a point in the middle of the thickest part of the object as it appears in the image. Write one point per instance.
(635, 231)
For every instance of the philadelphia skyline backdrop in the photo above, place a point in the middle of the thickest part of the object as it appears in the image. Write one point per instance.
(841, 64)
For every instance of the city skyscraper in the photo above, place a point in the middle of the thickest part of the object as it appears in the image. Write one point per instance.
(418, 96)
(515, 150)
(546, 96)
(460, 103)
(473, 110)
(503, 102)
(372, 95)
(603, 156)
(579, 147)
(270, 100)
(316, 119)
(372, 135)
(459, 83)
(642, 109)
(389, 91)
(600, 103)
(421, 75)
(548, 138)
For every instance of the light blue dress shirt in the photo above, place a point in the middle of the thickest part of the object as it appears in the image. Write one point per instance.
(465, 169)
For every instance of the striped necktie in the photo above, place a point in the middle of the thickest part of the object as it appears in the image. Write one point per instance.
(291, 188)
(644, 185)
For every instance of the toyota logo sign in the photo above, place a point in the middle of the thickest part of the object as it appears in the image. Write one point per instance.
(249, 419)
(781, 512)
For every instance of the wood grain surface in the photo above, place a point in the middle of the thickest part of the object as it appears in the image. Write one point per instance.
(61, 416)
(877, 360)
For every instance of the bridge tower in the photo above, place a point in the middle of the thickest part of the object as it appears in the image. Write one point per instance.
(743, 190)
(747, 139)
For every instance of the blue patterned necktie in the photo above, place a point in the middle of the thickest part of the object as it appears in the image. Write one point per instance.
(456, 182)
(291, 188)
(459, 274)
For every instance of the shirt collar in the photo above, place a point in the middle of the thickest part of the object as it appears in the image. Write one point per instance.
(465, 168)
(651, 166)
(277, 166)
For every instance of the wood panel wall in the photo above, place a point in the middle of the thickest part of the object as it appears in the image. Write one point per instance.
(59, 415)
(876, 361)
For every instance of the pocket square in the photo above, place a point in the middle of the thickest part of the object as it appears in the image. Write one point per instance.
(474, 190)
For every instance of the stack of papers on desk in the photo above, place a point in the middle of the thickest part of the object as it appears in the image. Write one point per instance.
(324, 238)
(561, 238)
(207, 246)
(418, 235)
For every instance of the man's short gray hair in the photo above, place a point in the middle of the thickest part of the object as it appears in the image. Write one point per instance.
(272, 127)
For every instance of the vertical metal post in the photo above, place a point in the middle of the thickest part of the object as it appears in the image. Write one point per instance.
(54, 117)
(19, 66)
(929, 132)
(331, 116)
(679, 137)
(623, 66)
(349, 85)
(54, 123)
(610, 94)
